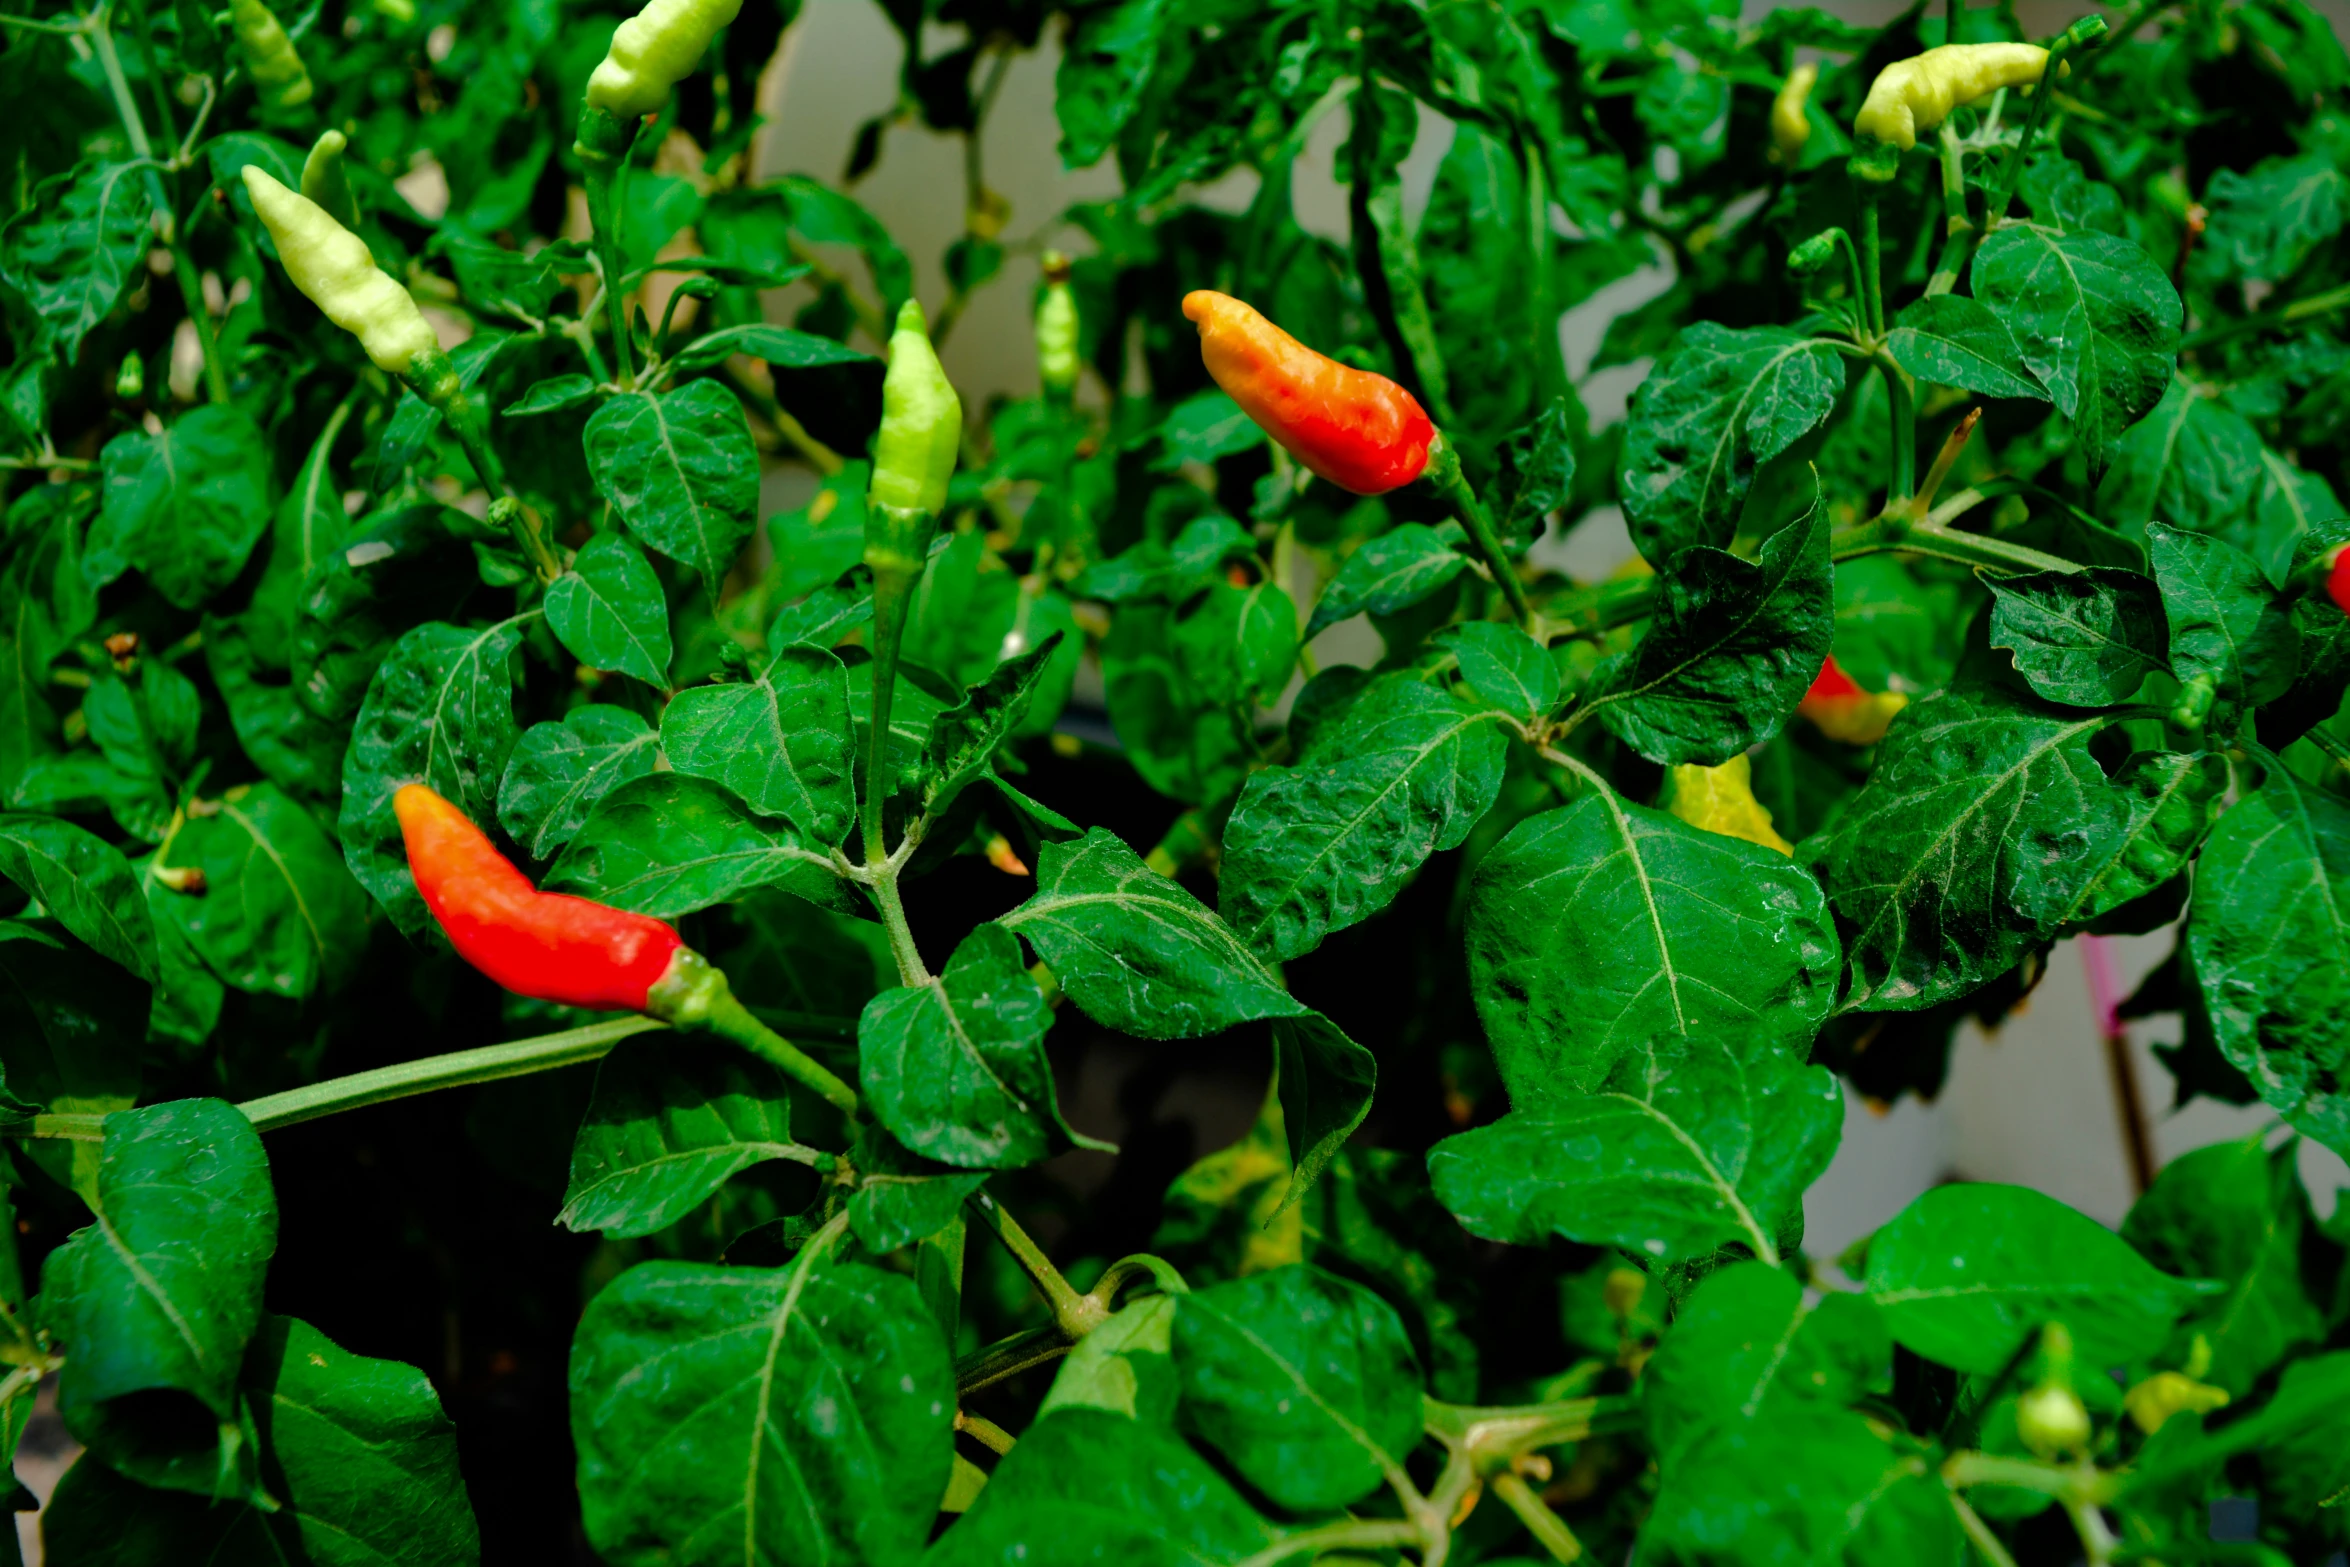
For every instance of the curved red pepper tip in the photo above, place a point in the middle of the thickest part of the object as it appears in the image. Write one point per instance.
(1353, 427)
(546, 945)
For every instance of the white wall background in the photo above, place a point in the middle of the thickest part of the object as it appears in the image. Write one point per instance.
(2032, 1105)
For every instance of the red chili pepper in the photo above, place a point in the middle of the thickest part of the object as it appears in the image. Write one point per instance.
(1845, 710)
(1360, 431)
(2338, 580)
(546, 945)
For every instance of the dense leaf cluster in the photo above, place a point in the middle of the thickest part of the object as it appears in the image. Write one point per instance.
(1553, 943)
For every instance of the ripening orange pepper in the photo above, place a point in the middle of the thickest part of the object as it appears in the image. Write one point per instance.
(546, 945)
(1843, 710)
(1360, 431)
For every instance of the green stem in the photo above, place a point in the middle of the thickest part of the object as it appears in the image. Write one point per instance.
(2084, 1483)
(1884, 533)
(603, 146)
(893, 597)
(1008, 1358)
(2269, 320)
(1444, 475)
(146, 34)
(1901, 394)
(1979, 1533)
(2087, 30)
(901, 935)
(1493, 1435)
(1548, 1529)
(183, 266)
(1872, 276)
(1365, 1533)
(985, 1432)
(694, 994)
(457, 1069)
(1958, 237)
(1074, 1315)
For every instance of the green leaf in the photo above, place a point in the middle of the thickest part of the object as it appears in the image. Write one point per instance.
(1311, 849)
(1601, 926)
(2265, 221)
(356, 1455)
(2226, 624)
(1170, 572)
(1139, 954)
(137, 783)
(554, 395)
(2268, 937)
(2191, 462)
(1503, 667)
(956, 1068)
(902, 1197)
(2293, 504)
(84, 884)
(775, 345)
(292, 746)
(310, 525)
(1925, 864)
(72, 246)
(2161, 805)
(1745, 1344)
(961, 610)
(366, 595)
(2234, 1212)
(1125, 1366)
(608, 609)
(1949, 340)
(185, 507)
(1683, 1150)
(964, 739)
(2085, 637)
(279, 914)
(1731, 651)
(70, 1027)
(559, 771)
(188, 997)
(1968, 1273)
(2096, 319)
(440, 711)
(669, 844)
(1182, 744)
(1801, 1486)
(1392, 572)
(769, 1417)
(1104, 67)
(780, 742)
(1205, 427)
(673, 1118)
(161, 1293)
(1715, 409)
(1236, 646)
(1306, 1382)
(682, 471)
(1115, 1490)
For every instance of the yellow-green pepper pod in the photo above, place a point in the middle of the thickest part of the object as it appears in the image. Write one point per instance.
(1790, 125)
(326, 182)
(1056, 329)
(334, 267)
(1914, 96)
(270, 57)
(921, 423)
(653, 51)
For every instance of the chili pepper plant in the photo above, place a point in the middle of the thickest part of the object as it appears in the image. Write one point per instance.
(557, 1011)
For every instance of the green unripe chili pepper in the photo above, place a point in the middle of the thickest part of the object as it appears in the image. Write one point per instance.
(270, 58)
(652, 51)
(1057, 363)
(333, 266)
(130, 382)
(2051, 1418)
(325, 182)
(1913, 96)
(921, 423)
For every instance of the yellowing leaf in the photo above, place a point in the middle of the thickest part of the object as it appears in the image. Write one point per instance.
(1721, 799)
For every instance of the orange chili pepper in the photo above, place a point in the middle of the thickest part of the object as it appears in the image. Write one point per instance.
(546, 945)
(1845, 711)
(1360, 431)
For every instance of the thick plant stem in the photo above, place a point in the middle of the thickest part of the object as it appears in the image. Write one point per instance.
(1979, 1533)
(1445, 477)
(1074, 1315)
(1891, 532)
(1549, 1530)
(901, 934)
(603, 145)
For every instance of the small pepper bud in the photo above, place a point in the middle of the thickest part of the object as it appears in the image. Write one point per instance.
(325, 181)
(2050, 1417)
(185, 879)
(2194, 705)
(123, 648)
(921, 424)
(1813, 255)
(130, 382)
(333, 266)
(2166, 1393)
(1056, 330)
